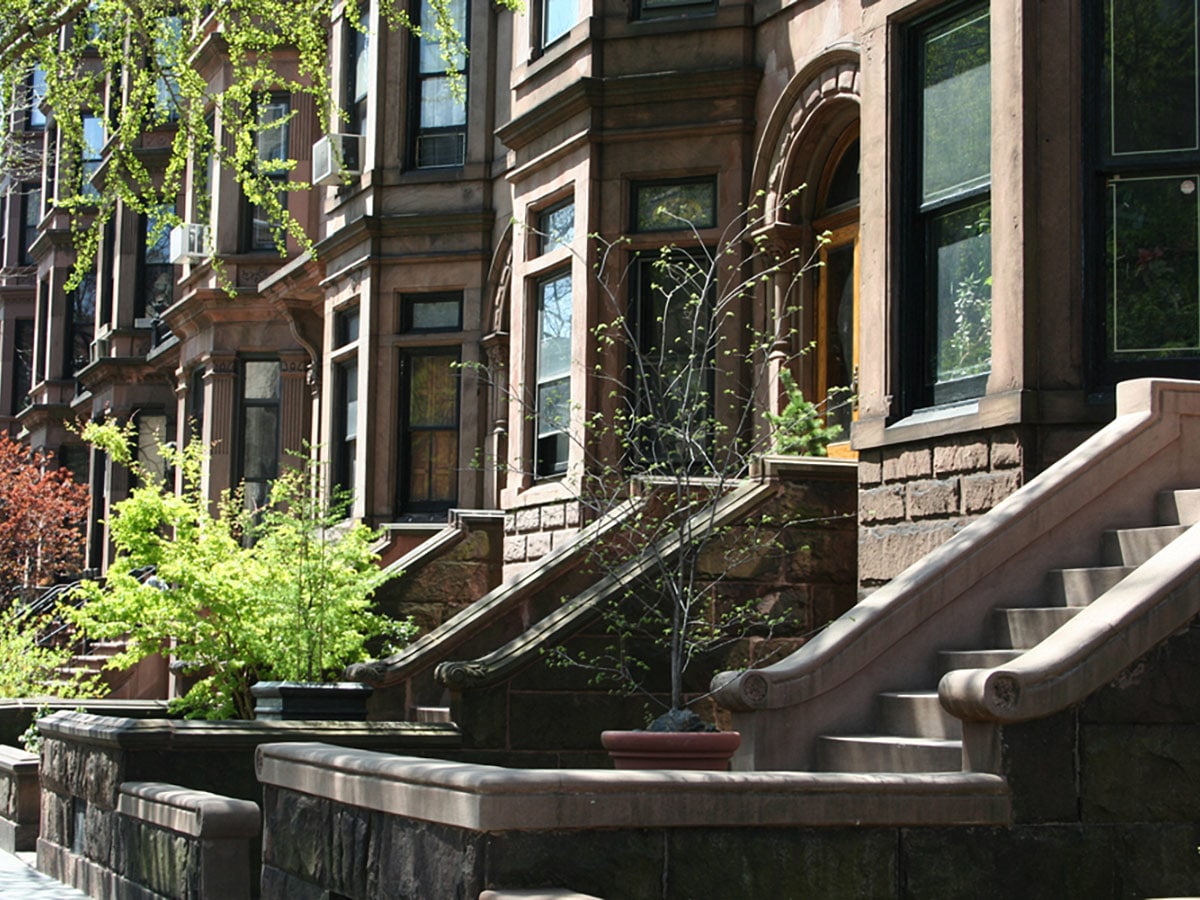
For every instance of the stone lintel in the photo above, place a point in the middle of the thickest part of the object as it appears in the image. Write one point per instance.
(490, 798)
(197, 814)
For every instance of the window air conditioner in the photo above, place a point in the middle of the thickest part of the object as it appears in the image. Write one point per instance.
(335, 156)
(189, 243)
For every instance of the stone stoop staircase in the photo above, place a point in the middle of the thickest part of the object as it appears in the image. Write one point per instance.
(917, 735)
(97, 656)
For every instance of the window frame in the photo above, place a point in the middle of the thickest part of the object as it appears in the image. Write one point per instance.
(636, 188)
(409, 301)
(418, 79)
(1103, 167)
(915, 240)
(549, 465)
(250, 241)
(246, 403)
(404, 499)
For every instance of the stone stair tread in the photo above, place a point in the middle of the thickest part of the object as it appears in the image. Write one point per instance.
(1179, 507)
(888, 753)
(1027, 626)
(1134, 546)
(1080, 586)
(949, 660)
(917, 714)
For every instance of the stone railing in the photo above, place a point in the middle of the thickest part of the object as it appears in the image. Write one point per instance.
(889, 641)
(170, 842)
(20, 800)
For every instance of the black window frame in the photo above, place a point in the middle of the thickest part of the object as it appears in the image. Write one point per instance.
(249, 239)
(683, 224)
(247, 403)
(408, 302)
(404, 499)
(915, 243)
(149, 272)
(454, 134)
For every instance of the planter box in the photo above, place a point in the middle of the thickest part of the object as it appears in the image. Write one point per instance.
(342, 701)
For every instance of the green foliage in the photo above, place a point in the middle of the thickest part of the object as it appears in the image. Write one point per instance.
(171, 69)
(799, 427)
(29, 669)
(281, 593)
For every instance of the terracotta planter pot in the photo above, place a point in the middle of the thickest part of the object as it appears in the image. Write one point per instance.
(709, 750)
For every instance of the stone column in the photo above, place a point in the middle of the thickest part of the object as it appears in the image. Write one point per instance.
(295, 403)
(220, 412)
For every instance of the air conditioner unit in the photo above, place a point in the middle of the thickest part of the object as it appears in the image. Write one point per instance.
(335, 156)
(189, 243)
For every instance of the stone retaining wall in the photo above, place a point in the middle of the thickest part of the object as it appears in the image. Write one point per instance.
(20, 800)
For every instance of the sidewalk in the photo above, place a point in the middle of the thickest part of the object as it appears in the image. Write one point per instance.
(19, 879)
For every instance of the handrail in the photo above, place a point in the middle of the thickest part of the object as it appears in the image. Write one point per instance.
(583, 608)
(1017, 524)
(1090, 650)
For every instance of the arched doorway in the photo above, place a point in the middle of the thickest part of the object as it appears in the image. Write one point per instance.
(835, 223)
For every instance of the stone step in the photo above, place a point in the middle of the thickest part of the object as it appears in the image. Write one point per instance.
(1079, 587)
(1179, 507)
(916, 714)
(949, 660)
(1028, 626)
(887, 753)
(1134, 546)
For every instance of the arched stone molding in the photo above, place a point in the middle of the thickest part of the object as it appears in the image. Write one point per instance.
(496, 313)
(818, 104)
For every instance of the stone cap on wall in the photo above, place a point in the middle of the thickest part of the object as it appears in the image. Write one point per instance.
(490, 798)
(193, 813)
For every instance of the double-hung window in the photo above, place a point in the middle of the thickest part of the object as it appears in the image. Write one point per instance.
(81, 323)
(272, 138)
(156, 275)
(31, 215)
(557, 18)
(441, 87)
(259, 429)
(92, 145)
(553, 411)
(949, 246)
(1146, 154)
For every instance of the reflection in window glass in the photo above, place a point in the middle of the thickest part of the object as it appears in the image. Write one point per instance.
(93, 143)
(431, 430)
(82, 323)
(1154, 297)
(259, 429)
(956, 103)
(441, 115)
(437, 312)
(157, 273)
(558, 16)
(556, 227)
(553, 374)
(675, 207)
(962, 248)
(1151, 76)
(37, 93)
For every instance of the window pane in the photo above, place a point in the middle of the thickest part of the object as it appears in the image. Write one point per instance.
(1153, 311)
(439, 107)
(83, 322)
(556, 227)
(361, 70)
(433, 392)
(261, 380)
(1151, 75)
(955, 131)
(434, 315)
(93, 143)
(37, 93)
(272, 136)
(22, 363)
(431, 51)
(260, 452)
(349, 400)
(671, 207)
(961, 247)
(433, 467)
(557, 18)
(554, 328)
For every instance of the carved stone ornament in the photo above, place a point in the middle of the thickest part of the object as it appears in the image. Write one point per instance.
(754, 689)
(1004, 692)
(460, 674)
(371, 672)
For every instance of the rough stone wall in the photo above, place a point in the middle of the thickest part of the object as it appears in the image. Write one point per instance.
(1106, 802)
(916, 496)
(533, 531)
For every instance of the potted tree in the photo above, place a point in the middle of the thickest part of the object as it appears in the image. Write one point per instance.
(680, 423)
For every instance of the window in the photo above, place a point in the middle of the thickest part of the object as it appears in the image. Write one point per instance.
(429, 470)
(357, 77)
(345, 327)
(22, 364)
(31, 215)
(259, 429)
(675, 205)
(553, 375)
(660, 8)
(345, 437)
(431, 312)
(1148, 161)
(272, 138)
(81, 324)
(441, 128)
(195, 405)
(155, 272)
(950, 246)
(166, 86)
(556, 227)
(672, 373)
(93, 143)
(37, 93)
(557, 18)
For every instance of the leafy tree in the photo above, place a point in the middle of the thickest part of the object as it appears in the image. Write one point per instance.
(41, 513)
(281, 595)
(144, 60)
(30, 667)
